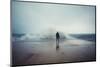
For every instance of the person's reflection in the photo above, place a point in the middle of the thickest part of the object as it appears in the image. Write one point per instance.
(57, 40)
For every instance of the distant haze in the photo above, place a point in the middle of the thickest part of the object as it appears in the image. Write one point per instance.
(39, 18)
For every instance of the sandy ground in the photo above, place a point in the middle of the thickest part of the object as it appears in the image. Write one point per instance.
(73, 50)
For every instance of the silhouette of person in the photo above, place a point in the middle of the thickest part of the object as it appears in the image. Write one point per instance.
(57, 40)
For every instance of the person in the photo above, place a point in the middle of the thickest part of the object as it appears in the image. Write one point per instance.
(57, 40)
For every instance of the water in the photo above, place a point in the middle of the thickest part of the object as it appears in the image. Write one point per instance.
(71, 49)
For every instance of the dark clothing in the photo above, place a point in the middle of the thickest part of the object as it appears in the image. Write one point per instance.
(57, 40)
(57, 35)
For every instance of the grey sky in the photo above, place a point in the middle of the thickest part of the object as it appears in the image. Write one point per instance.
(41, 17)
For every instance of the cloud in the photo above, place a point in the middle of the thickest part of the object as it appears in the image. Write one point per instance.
(38, 17)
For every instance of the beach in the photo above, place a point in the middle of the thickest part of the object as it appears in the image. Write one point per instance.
(33, 53)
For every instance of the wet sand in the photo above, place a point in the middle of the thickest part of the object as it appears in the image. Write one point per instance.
(75, 50)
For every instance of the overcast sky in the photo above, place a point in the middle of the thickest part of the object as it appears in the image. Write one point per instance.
(41, 17)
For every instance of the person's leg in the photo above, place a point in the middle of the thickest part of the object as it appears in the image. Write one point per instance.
(57, 43)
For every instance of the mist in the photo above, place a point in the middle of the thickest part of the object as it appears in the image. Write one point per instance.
(42, 18)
